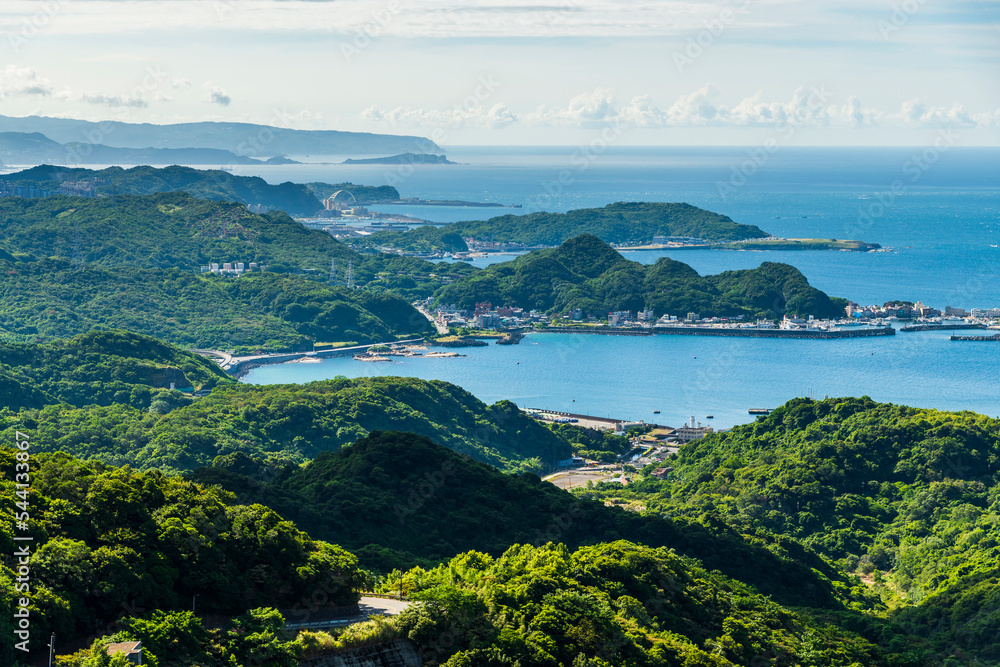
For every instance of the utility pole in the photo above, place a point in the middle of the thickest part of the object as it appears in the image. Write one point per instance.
(194, 599)
(52, 647)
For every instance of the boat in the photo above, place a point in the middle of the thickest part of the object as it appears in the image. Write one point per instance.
(709, 416)
(656, 412)
(759, 411)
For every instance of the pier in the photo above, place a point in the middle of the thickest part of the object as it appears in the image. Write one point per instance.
(941, 327)
(821, 334)
(994, 337)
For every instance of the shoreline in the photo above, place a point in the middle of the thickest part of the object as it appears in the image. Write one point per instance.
(816, 334)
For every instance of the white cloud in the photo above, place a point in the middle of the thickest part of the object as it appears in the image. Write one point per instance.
(216, 95)
(421, 18)
(807, 107)
(474, 116)
(21, 81)
(103, 99)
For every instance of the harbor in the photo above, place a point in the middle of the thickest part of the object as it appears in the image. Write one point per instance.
(743, 332)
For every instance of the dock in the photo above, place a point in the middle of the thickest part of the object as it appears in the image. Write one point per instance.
(815, 334)
(587, 421)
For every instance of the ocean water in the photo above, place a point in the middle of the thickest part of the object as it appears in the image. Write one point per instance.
(941, 218)
(683, 376)
(938, 211)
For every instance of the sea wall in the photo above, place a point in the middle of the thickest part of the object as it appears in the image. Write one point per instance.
(941, 327)
(777, 333)
(400, 653)
(742, 333)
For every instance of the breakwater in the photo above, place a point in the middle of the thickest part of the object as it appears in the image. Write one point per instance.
(941, 327)
(823, 334)
(461, 342)
(994, 337)
(239, 366)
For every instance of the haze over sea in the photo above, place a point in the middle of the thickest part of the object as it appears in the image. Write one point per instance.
(938, 210)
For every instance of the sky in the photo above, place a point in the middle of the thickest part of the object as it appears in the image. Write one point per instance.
(495, 72)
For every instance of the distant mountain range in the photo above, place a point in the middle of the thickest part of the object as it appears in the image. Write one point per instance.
(243, 139)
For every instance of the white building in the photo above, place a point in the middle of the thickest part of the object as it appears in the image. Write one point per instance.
(690, 432)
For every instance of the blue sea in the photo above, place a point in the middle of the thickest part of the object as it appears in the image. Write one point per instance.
(939, 212)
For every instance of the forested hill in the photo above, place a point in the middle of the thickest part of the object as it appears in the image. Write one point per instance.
(172, 229)
(45, 299)
(113, 542)
(586, 273)
(121, 556)
(175, 229)
(100, 368)
(905, 497)
(281, 425)
(623, 222)
(213, 184)
(395, 498)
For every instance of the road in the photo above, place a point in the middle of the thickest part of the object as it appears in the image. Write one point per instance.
(369, 607)
(382, 606)
(441, 328)
(569, 479)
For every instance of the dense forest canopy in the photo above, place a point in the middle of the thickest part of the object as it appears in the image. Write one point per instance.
(211, 184)
(101, 368)
(44, 299)
(170, 229)
(586, 273)
(907, 498)
(397, 498)
(112, 539)
(280, 425)
(623, 222)
(619, 603)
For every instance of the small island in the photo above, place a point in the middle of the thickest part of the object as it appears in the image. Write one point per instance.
(403, 158)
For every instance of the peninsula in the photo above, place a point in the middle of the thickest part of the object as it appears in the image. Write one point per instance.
(404, 158)
(624, 223)
(587, 275)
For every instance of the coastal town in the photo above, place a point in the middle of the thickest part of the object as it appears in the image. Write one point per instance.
(650, 444)
(857, 320)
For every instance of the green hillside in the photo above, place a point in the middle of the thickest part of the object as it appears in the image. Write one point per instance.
(623, 222)
(172, 229)
(47, 299)
(101, 368)
(621, 604)
(364, 194)
(586, 273)
(212, 184)
(906, 498)
(113, 542)
(278, 425)
(398, 498)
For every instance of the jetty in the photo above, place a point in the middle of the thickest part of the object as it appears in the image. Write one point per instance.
(994, 337)
(941, 327)
(743, 332)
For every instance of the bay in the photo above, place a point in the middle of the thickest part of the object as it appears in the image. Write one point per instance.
(940, 216)
(683, 376)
